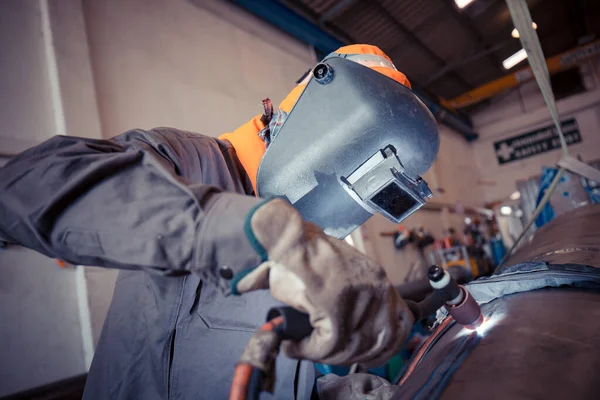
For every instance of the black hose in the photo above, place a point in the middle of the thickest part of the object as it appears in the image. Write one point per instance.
(296, 324)
(255, 384)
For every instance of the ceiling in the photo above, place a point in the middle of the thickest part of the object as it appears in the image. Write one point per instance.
(443, 49)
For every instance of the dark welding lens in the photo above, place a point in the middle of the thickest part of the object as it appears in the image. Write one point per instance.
(394, 200)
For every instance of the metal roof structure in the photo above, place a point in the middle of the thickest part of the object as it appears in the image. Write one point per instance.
(446, 50)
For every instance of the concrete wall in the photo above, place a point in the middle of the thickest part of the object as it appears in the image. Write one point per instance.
(524, 110)
(25, 99)
(203, 66)
(40, 328)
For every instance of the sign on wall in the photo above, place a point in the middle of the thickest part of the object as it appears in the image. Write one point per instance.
(535, 142)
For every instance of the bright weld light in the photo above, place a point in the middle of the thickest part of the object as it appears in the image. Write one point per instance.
(515, 32)
(487, 324)
(514, 59)
(463, 3)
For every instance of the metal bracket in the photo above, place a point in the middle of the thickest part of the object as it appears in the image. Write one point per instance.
(580, 168)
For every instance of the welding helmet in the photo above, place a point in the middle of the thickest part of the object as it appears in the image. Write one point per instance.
(355, 143)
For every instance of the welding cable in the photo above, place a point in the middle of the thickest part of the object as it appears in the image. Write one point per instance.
(247, 380)
(425, 347)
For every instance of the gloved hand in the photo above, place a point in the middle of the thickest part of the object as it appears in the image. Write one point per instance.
(356, 313)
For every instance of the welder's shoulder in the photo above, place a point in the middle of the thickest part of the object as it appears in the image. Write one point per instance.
(183, 143)
(178, 140)
(188, 152)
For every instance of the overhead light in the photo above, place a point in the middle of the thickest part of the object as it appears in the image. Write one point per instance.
(515, 195)
(505, 210)
(514, 59)
(463, 3)
(515, 32)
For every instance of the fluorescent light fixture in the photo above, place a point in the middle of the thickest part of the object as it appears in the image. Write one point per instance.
(463, 3)
(514, 59)
(515, 32)
(515, 195)
(505, 210)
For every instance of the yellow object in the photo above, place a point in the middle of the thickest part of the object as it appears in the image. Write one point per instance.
(555, 64)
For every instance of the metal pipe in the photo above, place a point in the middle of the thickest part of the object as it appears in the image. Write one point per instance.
(571, 238)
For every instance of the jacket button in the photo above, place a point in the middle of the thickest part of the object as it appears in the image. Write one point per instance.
(225, 272)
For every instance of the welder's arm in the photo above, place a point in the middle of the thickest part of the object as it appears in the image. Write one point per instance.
(123, 203)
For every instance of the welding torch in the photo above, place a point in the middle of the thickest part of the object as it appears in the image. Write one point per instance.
(255, 371)
(455, 298)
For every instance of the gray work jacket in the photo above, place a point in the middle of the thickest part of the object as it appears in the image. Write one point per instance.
(167, 207)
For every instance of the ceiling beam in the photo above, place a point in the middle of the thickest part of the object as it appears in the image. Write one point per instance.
(299, 7)
(415, 39)
(336, 10)
(466, 22)
(460, 61)
(576, 18)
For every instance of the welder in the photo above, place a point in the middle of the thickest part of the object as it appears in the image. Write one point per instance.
(196, 223)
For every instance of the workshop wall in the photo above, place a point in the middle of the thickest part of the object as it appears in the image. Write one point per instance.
(40, 329)
(25, 107)
(199, 65)
(522, 111)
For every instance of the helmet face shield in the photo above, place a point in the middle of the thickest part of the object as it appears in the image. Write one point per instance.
(382, 186)
(355, 144)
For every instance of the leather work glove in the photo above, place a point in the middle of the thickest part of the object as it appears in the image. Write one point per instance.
(356, 313)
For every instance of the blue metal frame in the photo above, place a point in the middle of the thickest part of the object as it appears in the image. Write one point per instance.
(289, 21)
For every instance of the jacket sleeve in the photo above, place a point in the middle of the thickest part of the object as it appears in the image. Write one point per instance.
(123, 203)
